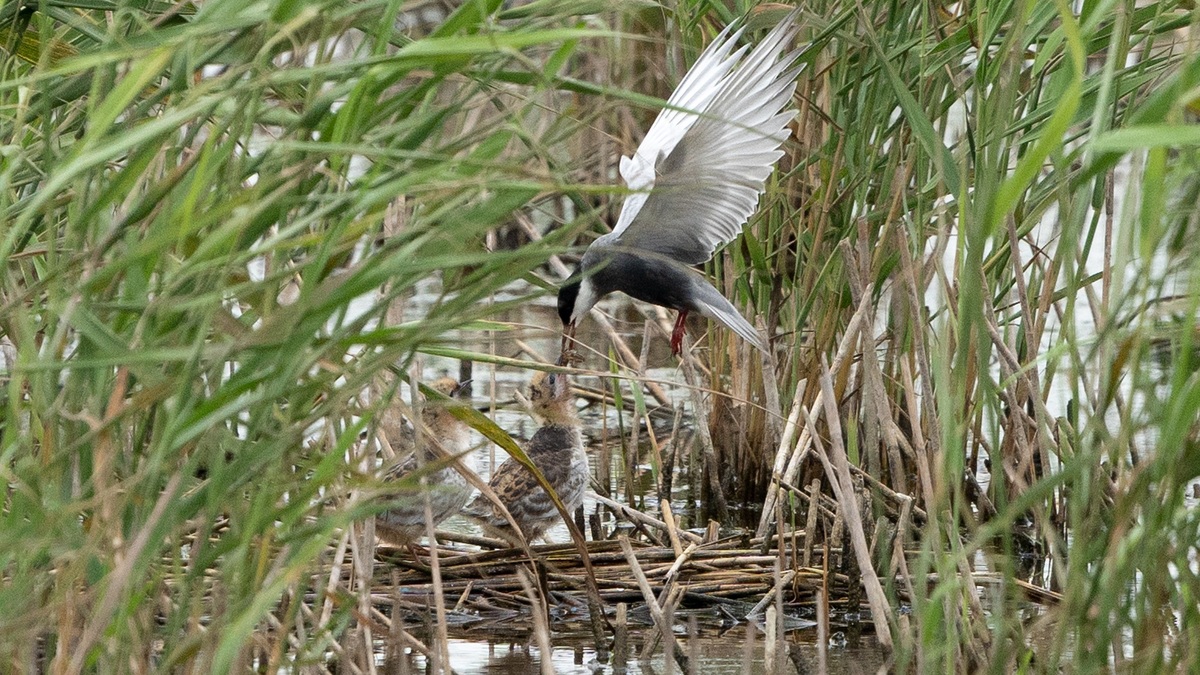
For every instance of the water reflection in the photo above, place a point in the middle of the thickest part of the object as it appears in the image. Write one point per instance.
(733, 652)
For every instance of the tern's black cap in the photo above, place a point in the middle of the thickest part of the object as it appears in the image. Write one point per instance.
(566, 299)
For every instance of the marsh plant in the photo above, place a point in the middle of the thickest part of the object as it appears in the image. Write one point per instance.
(975, 264)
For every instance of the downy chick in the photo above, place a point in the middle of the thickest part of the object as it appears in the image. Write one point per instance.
(404, 523)
(556, 449)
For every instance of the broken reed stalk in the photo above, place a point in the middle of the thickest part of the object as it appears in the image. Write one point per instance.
(656, 611)
(424, 437)
(335, 575)
(771, 642)
(810, 523)
(790, 457)
(776, 593)
(541, 621)
(785, 440)
(655, 637)
(712, 468)
(843, 485)
(669, 521)
(362, 561)
(770, 385)
(693, 642)
(822, 631)
(621, 639)
(443, 638)
(748, 647)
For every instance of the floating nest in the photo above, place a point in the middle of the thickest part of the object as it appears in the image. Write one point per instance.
(720, 584)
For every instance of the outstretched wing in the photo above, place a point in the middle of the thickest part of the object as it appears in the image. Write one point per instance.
(706, 159)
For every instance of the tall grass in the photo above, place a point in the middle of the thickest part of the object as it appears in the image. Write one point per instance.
(983, 228)
(192, 199)
(1010, 190)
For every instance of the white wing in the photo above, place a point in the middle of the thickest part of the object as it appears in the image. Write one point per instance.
(694, 94)
(705, 161)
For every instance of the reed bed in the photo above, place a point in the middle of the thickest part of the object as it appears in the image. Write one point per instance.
(974, 436)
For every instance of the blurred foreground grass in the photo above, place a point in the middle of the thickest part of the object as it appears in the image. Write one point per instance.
(1004, 195)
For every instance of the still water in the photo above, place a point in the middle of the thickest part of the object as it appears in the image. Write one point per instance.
(728, 653)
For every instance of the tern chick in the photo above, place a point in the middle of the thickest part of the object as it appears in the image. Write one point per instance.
(557, 451)
(404, 522)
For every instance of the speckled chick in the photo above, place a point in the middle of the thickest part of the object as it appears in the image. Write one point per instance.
(404, 522)
(556, 449)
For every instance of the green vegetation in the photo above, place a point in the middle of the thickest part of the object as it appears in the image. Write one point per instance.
(986, 225)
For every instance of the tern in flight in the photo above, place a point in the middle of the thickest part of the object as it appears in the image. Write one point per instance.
(695, 180)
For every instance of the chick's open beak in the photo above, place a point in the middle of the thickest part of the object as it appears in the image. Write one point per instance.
(465, 385)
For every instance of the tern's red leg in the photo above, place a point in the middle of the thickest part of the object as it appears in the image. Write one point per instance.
(677, 334)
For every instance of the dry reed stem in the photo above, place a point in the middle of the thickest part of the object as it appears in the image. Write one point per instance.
(621, 639)
(782, 583)
(924, 412)
(673, 572)
(638, 516)
(656, 611)
(898, 499)
(397, 636)
(541, 621)
(1014, 369)
(693, 643)
(121, 576)
(788, 435)
(810, 523)
(676, 446)
(362, 558)
(772, 640)
(703, 431)
(655, 637)
(443, 638)
(296, 642)
(444, 536)
(669, 521)
(923, 453)
(843, 486)
(770, 385)
(748, 648)
(795, 454)
(335, 575)
(899, 562)
(335, 646)
(877, 405)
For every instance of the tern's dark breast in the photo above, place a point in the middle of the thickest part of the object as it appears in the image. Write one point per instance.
(648, 278)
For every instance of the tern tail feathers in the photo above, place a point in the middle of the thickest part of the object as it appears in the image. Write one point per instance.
(712, 304)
